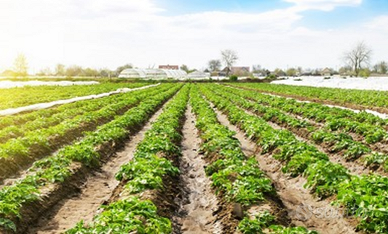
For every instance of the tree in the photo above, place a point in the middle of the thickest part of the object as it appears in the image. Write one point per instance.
(214, 65)
(185, 68)
(74, 71)
(381, 67)
(279, 72)
(256, 68)
(358, 57)
(291, 72)
(229, 57)
(60, 70)
(20, 65)
(121, 68)
(105, 72)
(45, 72)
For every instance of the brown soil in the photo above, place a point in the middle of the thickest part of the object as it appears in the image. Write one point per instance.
(354, 167)
(303, 208)
(96, 190)
(197, 209)
(14, 167)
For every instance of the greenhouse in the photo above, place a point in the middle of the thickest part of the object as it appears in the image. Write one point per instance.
(198, 75)
(151, 73)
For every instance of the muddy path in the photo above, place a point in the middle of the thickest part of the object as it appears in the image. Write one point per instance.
(96, 190)
(199, 204)
(303, 208)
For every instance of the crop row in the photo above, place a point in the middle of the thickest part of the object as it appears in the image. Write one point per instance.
(153, 161)
(365, 98)
(49, 117)
(58, 169)
(19, 152)
(371, 127)
(234, 175)
(363, 196)
(333, 142)
(17, 97)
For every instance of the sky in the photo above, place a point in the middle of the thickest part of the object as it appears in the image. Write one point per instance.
(146, 33)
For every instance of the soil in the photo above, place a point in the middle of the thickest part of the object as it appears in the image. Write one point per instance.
(355, 167)
(303, 209)
(95, 191)
(197, 208)
(15, 168)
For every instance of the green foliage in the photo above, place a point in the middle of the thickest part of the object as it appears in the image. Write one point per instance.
(366, 197)
(324, 177)
(126, 216)
(233, 78)
(256, 225)
(56, 169)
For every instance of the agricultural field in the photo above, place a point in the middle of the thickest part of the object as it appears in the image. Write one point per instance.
(194, 158)
(23, 96)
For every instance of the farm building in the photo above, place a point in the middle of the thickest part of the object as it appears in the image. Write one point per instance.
(149, 73)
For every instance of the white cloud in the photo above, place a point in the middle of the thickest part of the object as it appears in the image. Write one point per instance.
(379, 23)
(324, 5)
(102, 33)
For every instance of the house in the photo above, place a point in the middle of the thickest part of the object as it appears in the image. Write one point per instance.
(326, 72)
(169, 67)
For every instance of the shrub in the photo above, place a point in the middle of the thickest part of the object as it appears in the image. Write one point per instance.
(233, 78)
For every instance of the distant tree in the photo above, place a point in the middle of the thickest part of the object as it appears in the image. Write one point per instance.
(300, 71)
(45, 72)
(291, 72)
(185, 68)
(256, 68)
(381, 67)
(344, 71)
(214, 65)
(105, 72)
(229, 57)
(8, 73)
(121, 68)
(73, 70)
(359, 56)
(20, 65)
(59, 70)
(90, 72)
(279, 72)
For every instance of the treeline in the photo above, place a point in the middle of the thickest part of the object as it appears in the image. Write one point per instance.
(61, 70)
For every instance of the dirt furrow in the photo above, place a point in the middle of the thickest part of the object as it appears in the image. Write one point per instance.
(196, 213)
(96, 191)
(354, 167)
(303, 208)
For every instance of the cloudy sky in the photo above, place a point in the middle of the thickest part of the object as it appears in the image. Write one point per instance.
(146, 33)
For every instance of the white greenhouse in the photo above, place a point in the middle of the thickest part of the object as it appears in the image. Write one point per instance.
(198, 75)
(149, 73)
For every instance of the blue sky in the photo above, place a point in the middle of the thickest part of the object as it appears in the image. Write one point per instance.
(109, 33)
(253, 6)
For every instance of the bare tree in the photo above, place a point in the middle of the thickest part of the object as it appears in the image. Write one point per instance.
(21, 66)
(358, 57)
(229, 57)
(60, 69)
(214, 65)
